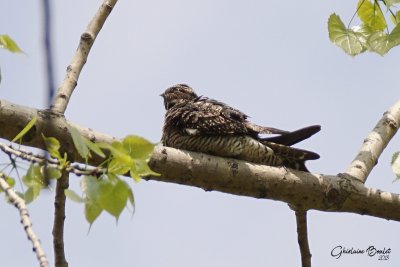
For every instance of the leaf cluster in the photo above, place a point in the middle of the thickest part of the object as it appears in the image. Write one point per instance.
(103, 190)
(109, 192)
(372, 34)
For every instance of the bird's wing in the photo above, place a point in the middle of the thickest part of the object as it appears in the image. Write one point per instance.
(264, 130)
(209, 117)
(235, 114)
(291, 138)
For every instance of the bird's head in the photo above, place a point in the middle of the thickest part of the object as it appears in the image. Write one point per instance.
(177, 94)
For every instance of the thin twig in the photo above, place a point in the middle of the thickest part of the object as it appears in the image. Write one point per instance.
(302, 237)
(26, 222)
(78, 61)
(59, 218)
(49, 162)
(375, 143)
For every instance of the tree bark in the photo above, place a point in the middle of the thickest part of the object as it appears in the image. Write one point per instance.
(302, 238)
(59, 220)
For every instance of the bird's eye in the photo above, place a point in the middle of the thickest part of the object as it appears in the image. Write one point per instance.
(165, 103)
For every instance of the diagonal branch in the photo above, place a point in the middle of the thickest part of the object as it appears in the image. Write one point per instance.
(302, 237)
(60, 103)
(78, 61)
(375, 143)
(19, 203)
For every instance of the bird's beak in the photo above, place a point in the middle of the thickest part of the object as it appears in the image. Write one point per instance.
(162, 95)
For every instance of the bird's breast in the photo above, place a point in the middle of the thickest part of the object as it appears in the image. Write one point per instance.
(219, 145)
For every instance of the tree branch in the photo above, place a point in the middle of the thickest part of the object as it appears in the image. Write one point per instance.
(13, 118)
(340, 193)
(59, 218)
(19, 203)
(60, 103)
(375, 143)
(78, 61)
(302, 237)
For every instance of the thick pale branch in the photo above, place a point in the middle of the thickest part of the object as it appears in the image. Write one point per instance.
(13, 118)
(78, 61)
(375, 143)
(302, 238)
(341, 193)
(19, 203)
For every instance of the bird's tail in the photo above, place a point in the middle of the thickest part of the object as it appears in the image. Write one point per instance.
(291, 138)
(293, 158)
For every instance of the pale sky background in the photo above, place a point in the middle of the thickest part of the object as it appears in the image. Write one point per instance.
(271, 59)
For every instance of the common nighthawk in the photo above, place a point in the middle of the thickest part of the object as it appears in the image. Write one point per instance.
(201, 124)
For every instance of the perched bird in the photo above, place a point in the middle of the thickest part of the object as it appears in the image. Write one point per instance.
(201, 124)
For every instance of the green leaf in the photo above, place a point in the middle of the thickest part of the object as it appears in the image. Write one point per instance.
(32, 193)
(363, 32)
(396, 164)
(118, 148)
(92, 211)
(53, 146)
(30, 124)
(33, 177)
(390, 3)
(394, 36)
(73, 196)
(90, 187)
(131, 198)
(79, 142)
(109, 194)
(371, 15)
(141, 169)
(53, 173)
(113, 197)
(21, 195)
(10, 181)
(381, 42)
(106, 146)
(395, 18)
(345, 38)
(138, 147)
(9, 44)
(120, 164)
(95, 148)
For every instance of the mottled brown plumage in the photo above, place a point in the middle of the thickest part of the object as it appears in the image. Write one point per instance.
(205, 125)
